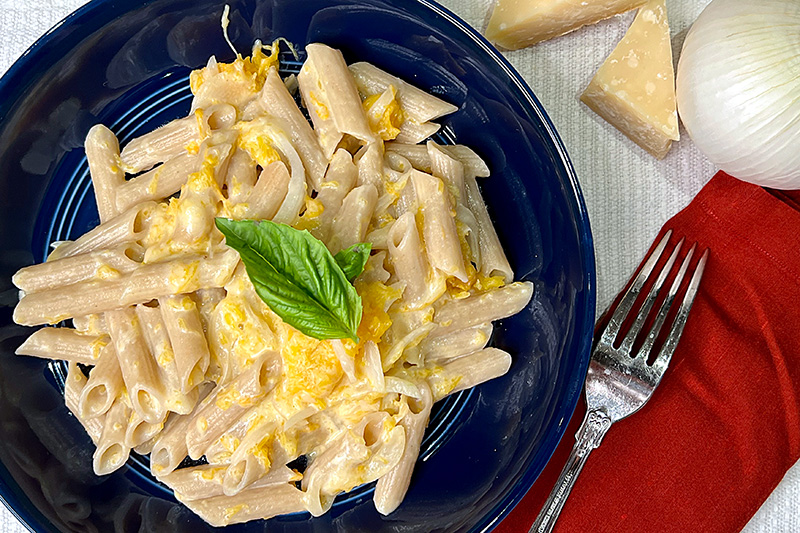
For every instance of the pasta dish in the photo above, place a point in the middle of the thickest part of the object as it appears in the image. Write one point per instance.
(281, 299)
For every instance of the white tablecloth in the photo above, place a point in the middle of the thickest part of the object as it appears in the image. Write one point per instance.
(628, 193)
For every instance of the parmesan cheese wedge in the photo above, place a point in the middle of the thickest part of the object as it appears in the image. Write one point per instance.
(634, 90)
(516, 24)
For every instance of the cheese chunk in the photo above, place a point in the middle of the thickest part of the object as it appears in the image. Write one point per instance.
(634, 90)
(519, 23)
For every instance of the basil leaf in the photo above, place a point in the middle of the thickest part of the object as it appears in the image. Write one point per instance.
(296, 276)
(353, 260)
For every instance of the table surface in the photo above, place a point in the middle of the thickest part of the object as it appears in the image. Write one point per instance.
(628, 193)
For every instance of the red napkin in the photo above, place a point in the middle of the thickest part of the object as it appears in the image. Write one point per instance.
(724, 425)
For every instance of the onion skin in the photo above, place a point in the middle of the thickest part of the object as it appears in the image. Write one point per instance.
(738, 89)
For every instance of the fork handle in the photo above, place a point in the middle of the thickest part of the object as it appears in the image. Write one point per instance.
(591, 433)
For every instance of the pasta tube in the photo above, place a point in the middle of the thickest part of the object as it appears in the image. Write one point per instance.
(137, 365)
(229, 402)
(392, 487)
(64, 343)
(189, 346)
(438, 226)
(73, 386)
(100, 264)
(332, 99)
(102, 154)
(275, 100)
(339, 180)
(186, 274)
(103, 387)
(350, 224)
(111, 452)
(166, 142)
(269, 192)
(254, 503)
(129, 226)
(169, 448)
(468, 371)
(486, 307)
(157, 184)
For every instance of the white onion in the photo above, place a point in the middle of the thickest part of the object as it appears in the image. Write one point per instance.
(738, 89)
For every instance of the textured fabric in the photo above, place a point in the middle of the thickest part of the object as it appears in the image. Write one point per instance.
(724, 425)
(629, 195)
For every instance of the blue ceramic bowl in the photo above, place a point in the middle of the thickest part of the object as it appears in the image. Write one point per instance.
(126, 65)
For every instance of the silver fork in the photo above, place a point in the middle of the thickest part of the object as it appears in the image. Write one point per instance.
(619, 383)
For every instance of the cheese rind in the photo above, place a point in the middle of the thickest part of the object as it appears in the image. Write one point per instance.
(516, 24)
(634, 90)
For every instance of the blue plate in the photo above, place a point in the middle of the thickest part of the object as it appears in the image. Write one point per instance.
(126, 64)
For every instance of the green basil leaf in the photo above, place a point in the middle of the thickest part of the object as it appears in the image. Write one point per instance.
(296, 276)
(353, 260)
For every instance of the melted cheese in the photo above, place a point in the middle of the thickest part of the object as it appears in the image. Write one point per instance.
(254, 139)
(384, 114)
(634, 90)
(376, 298)
(250, 70)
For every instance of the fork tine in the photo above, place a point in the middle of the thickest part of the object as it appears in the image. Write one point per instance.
(641, 316)
(666, 305)
(661, 362)
(625, 305)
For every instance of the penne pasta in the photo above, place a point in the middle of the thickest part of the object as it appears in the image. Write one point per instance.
(139, 431)
(97, 265)
(139, 369)
(369, 161)
(111, 452)
(438, 226)
(449, 170)
(468, 371)
(64, 343)
(456, 343)
(417, 105)
(229, 402)
(191, 359)
(269, 192)
(493, 258)
(332, 99)
(185, 330)
(365, 449)
(250, 460)
(417, 155)
(166, 142)
(407, 259)
(169, 447)
(350, 224)
(255, 503)
(339, 180)
(91, 324)
(73, 386)
(103, 386)
(159, 344)
(127, 227)
(205, 481)
(240, 176)
(275, 101)
(392, 487)
(186, 274)
(219, 452)
(102, 154)
(157, 184)
(481, 308)
(412, 133)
